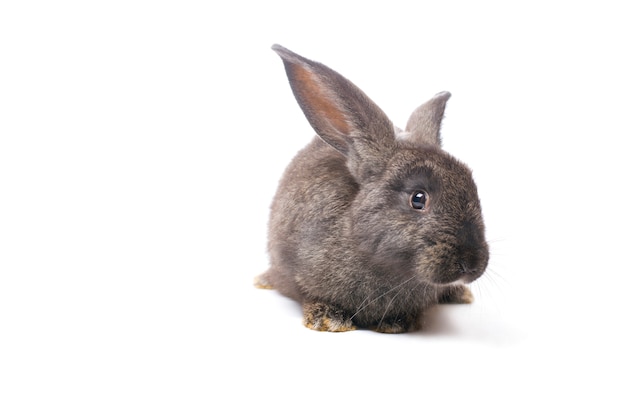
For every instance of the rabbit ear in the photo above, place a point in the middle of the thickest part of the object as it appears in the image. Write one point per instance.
(425, 122)
(337, 109)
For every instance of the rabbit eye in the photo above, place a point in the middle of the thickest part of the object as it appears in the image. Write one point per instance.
(419, 200)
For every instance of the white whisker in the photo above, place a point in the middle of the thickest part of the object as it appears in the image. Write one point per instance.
(387, 309)
(361, 307)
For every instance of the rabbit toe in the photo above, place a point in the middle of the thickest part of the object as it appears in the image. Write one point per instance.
(323, 317)
(398, 326)
(456, 295)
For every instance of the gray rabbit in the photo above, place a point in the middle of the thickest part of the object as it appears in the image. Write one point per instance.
(371, 225)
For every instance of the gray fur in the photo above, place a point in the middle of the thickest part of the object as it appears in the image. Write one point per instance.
(344, 240)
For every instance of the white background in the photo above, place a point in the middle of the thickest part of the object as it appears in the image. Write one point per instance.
(141, 144)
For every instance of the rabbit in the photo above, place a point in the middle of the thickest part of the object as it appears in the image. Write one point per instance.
(371, 225)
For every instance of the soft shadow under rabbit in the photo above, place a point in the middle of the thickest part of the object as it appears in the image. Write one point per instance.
(371, 225)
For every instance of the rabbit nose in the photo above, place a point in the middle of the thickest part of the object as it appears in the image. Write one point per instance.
(472, 262)
(465, 269)
(468, 272)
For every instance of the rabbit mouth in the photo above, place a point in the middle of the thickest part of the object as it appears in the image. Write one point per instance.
(469, 274)
(453, 280)
(468, 278)
(460, 273)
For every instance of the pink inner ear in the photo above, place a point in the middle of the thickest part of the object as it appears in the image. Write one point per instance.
(317, 99)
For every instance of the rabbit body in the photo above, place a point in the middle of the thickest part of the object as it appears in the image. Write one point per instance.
(371, 225)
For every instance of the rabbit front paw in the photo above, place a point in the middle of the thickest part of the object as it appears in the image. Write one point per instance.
(456, 295)
(323, 317)
(398, 325)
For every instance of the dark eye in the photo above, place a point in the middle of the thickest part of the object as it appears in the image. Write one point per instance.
(419, 200)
